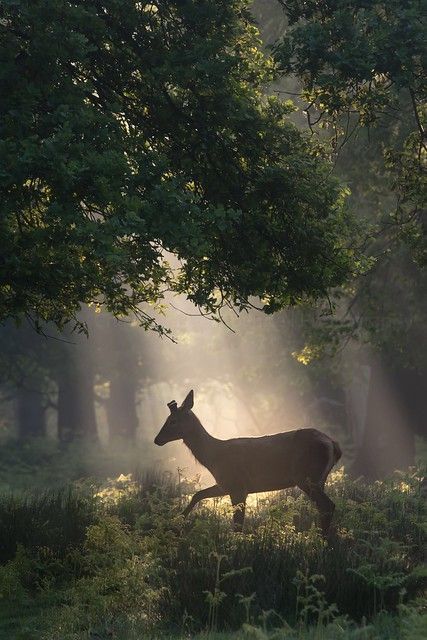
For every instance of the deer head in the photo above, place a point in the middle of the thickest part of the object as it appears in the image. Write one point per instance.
(177, 422)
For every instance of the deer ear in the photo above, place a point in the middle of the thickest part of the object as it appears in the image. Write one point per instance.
(189, 401)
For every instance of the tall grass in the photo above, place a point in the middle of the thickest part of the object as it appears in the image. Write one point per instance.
(119, 559)
(54, 520)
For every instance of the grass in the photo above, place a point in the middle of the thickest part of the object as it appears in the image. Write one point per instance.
(41, 463)
(118, 561)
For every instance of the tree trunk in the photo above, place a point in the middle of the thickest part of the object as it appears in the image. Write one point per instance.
(388, 440)
(123, 377)
(30, 414)
(76, 404)
(76, 399)
(121, 408)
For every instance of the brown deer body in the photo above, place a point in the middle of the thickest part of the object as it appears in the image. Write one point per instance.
(240, 466)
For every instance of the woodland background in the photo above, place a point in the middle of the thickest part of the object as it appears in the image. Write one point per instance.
(230, 197)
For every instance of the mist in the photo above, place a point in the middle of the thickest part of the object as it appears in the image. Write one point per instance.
(252, 375)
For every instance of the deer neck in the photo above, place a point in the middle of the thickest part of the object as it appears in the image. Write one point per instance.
(202, 445)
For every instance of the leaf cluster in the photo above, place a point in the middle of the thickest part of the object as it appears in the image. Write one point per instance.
(138, 156)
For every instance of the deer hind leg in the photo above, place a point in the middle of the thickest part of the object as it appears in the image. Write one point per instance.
(210, 492)
(238, 501)
(324, 504)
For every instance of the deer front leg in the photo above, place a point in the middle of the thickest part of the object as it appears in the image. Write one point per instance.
(238, 502)
(210, 492)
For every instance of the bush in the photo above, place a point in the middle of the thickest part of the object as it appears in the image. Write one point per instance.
(120, 560)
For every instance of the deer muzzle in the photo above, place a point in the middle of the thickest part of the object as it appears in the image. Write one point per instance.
(158, 440)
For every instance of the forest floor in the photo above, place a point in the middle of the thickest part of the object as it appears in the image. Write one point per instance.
(115, 559)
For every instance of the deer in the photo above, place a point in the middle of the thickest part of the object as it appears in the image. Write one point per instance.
(240, 466)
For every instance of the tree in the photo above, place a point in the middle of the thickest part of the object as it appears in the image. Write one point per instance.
(75, 379)
(135, 130)
(119, 363)
(362, 64)
(54, 372)
(361, 68)
(24, 377)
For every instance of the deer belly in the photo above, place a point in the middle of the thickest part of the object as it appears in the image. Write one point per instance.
(253, 479)
(252, 465)
(269, 483)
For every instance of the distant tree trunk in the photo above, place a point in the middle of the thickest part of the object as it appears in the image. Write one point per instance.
(30, 413)
(76, 404)
(122, 417)
(121, 408)
(388, 440)
(76, 398)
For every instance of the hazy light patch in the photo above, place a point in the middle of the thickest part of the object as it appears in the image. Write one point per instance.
(246, 383)
(254, 501)
(115, 489)
(376, 417)
(240, 381)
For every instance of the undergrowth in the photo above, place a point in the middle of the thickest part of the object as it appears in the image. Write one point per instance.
(117, 560)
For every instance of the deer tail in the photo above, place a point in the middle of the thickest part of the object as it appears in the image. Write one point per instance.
(337, 451)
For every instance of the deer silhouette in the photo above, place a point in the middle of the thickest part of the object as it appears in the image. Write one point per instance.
(240, 466)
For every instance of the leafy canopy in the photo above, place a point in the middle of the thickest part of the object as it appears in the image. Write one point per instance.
(136, 131)
(362, 63)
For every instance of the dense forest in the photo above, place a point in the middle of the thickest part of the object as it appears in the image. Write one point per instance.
(225, 196)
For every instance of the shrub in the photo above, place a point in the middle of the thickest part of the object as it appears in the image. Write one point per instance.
(121, 560)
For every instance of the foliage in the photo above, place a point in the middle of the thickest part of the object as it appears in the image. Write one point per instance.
(136, 570)
(132, 131)
(52, 522)
(362, 64)
(361, 68)
(357, 54)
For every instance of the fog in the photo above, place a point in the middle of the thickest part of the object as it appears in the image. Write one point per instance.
(245, 379)
(252, 374)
